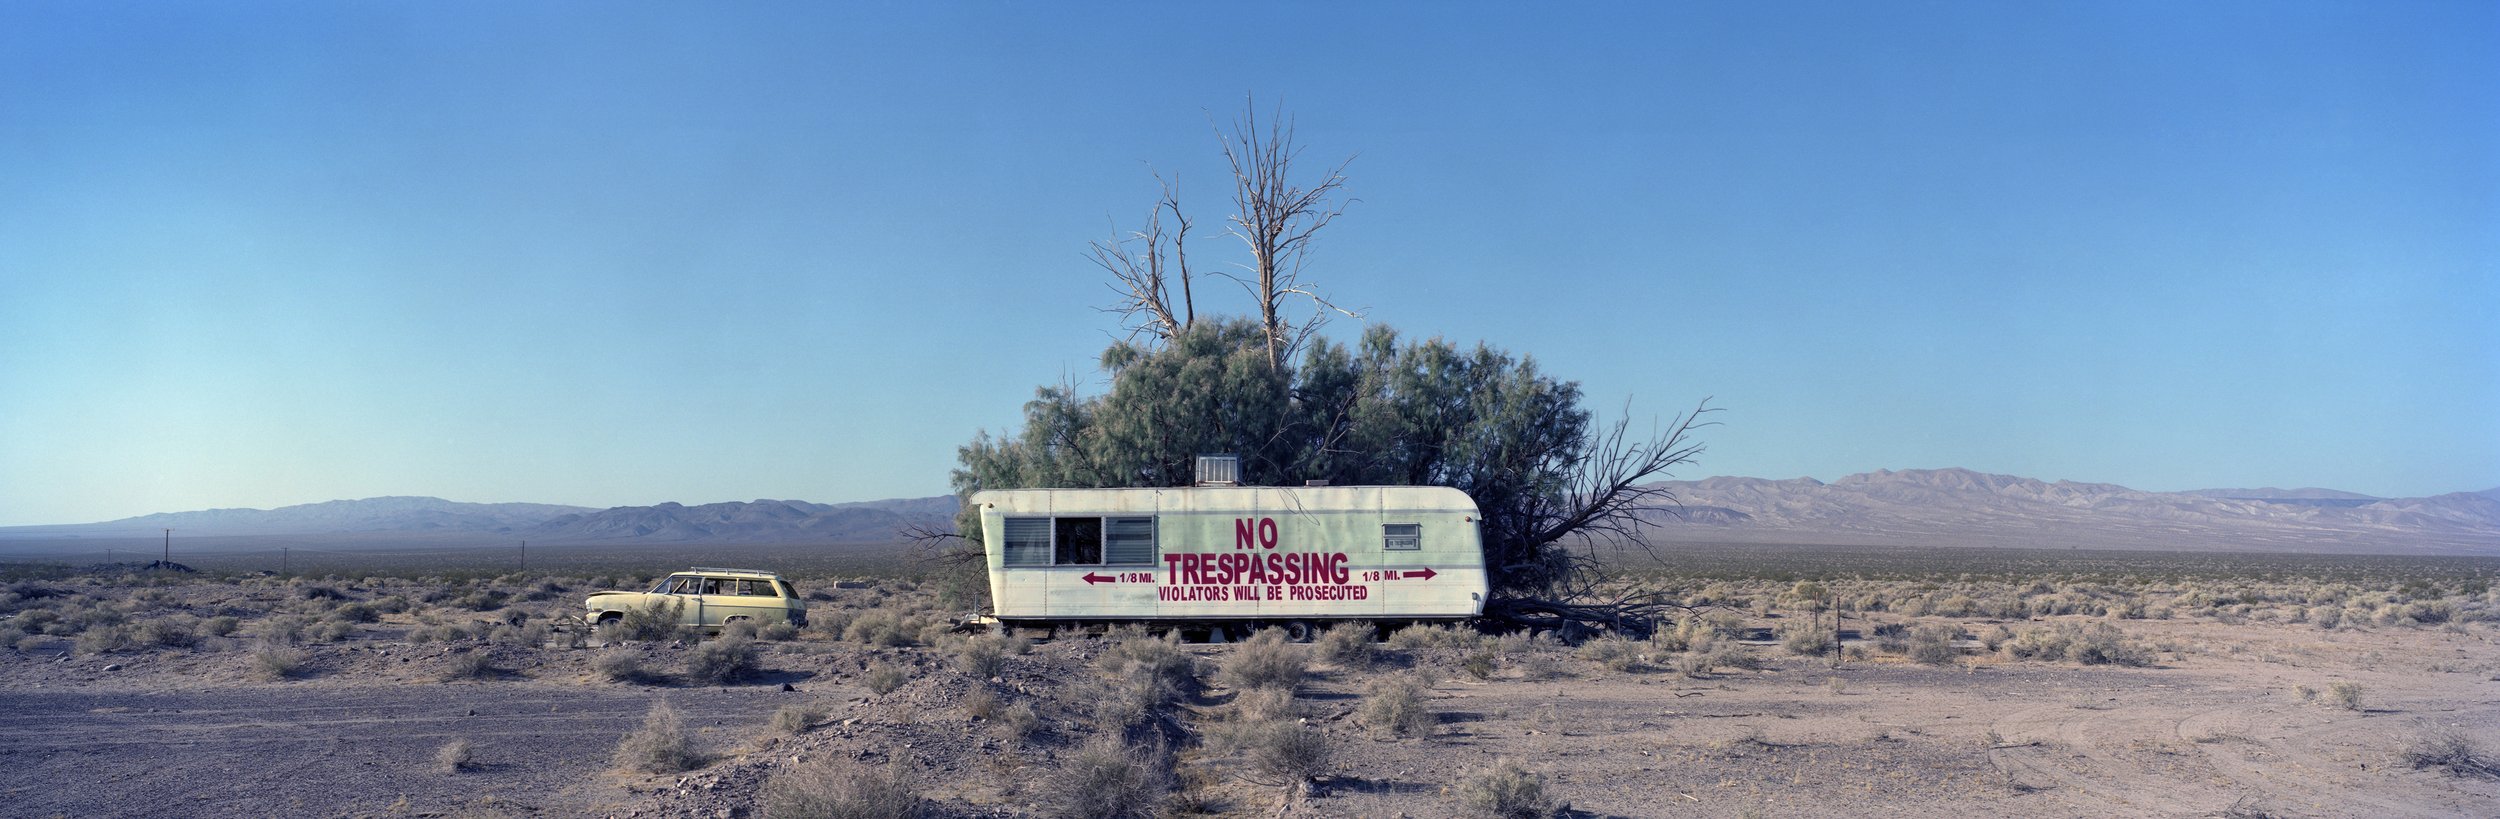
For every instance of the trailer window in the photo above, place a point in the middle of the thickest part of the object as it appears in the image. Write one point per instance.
(1402, 536)
(1079, 541)
(1028, 541)
(1128, 541)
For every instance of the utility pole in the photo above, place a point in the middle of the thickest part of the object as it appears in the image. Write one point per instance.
(169, 551)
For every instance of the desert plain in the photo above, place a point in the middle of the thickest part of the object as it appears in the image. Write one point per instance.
(1954, 683)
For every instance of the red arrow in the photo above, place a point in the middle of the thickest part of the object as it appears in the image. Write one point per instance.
(1092, 578)
(1425, 573)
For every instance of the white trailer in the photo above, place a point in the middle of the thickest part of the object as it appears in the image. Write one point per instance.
(1232, 557)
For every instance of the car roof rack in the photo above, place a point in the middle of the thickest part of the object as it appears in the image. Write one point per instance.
(739, 571)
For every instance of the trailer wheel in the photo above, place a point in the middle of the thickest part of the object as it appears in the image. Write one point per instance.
(1298, 630)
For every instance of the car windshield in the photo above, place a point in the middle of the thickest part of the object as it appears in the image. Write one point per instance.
(665, 583)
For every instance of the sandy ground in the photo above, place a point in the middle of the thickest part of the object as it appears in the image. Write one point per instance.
(2218, 726)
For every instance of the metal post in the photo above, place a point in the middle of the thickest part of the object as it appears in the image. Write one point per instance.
(169, 551)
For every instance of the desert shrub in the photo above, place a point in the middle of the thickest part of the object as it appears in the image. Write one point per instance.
(1480, 662)
(1995, 637)
(278, 661)
(1440, 636)
(1508, 790)
(103, 639)
(878, 628)
(1265, 660)
(2326, 617)
(531, 635)
(743, 629)
(883, 678)
(1260, 705)
(2452, 752)
(836, 788)
(318, 592)
(722, 661)
(1137, 706)
(1111, 779)
(980, 703)
(468, 665)
(456, 756)
(170, 632)
(1286, 749)
(221, 625)
(1019, 721)
(2102, 643)
(1697, 664)
(621, 665)
(356, 613)
(661, 746)
(2428, 612)
(1933, 645)
(2039, 644)
(1809, 639)
(1135, 654)
(1347, 645)
(657, 621)
(778, 632)
(1528, 654)
(1613, 652)
(1395, 706)
(2344, 694)
(330, 631)
(1735, 657)
(984, 656)
(483, 600)
(792, 719)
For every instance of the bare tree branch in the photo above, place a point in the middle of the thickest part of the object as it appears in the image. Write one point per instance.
(1144, 278)
(1276, 220)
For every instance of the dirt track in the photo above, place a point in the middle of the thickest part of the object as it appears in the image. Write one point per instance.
(304, 750)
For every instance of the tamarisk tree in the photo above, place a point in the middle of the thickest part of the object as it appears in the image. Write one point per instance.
(1557, 489)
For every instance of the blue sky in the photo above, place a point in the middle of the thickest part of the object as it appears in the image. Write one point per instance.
(605, 254)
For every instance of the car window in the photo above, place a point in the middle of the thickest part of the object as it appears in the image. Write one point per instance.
(788, 591)
(667, 585)
(711, 585)
(755, 588)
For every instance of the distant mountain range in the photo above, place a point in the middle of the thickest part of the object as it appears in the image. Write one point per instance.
(1943, 507)
(1959, 507)
(760, 521)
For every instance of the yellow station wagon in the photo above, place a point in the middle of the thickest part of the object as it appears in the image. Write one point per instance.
(710, 597)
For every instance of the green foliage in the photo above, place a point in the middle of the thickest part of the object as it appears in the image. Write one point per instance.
(1383, 412)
